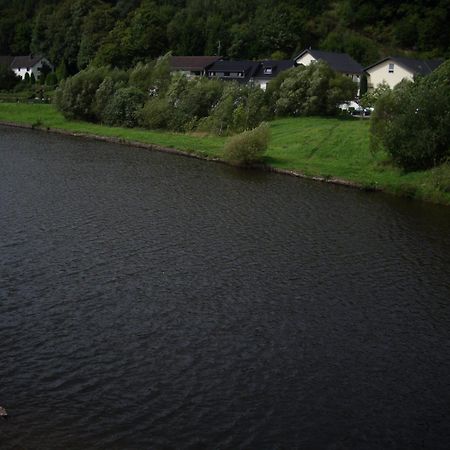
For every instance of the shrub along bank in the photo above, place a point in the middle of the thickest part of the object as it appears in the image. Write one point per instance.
(150, 96)
(314, 146)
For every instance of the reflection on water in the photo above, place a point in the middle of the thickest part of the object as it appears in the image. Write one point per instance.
(154, 301)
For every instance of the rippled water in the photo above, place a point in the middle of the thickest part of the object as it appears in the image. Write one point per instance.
(154, 301)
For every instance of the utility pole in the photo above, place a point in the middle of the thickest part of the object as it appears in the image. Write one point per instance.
(219, 48)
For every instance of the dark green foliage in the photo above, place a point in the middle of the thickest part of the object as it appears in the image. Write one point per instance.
(248, 147)
(363, 85)
(43, 72)
(8, 79)
(362, 49)
(121, 33)
(313, 90)
(412, 121)
(32, 79)
(51, 80)
(123, 108)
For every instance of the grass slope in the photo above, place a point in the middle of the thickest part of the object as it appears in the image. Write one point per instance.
(315, 146)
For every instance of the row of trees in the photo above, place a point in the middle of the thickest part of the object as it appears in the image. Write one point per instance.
(149, 96)
(76, 33)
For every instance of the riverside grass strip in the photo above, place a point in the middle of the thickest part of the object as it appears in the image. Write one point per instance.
(327, 149)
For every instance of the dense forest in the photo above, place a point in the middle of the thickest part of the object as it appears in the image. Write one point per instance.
(76, 33)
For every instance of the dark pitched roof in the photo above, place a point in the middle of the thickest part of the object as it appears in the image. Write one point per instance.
(417, 66)
(340, 62)
(192, 63)
(6, 60)
(248, 67)
(20, 62)
(277, 66)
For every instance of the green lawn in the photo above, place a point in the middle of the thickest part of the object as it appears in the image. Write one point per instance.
(325, 147)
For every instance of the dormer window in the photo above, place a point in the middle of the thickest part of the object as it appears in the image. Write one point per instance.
(268, 70)
(391, 68)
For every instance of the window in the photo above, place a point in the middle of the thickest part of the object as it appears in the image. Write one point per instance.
(268, 70)
(391, 68)
(226, 74)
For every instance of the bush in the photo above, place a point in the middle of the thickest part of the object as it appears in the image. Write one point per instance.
(155, 114)
(124, 106)
(75, 96)
(411, 122)
(191, 101)
(103, 96)
(313, 90)
(369, 99)
(240, 108)
(249, 146)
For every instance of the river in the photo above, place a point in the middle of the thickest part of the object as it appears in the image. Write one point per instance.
(155, 301)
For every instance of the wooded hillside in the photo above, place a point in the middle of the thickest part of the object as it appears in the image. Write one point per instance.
(76, 33)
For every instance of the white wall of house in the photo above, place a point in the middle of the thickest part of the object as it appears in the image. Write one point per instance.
(21, 72)
(261, 83)
(388, 72)
(306, 59)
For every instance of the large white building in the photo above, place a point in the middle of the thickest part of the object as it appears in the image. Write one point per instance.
(339, 62)
(393, 69)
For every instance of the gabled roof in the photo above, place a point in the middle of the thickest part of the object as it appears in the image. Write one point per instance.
(340, 62)
(277, 66)
(19, 62)
(192, 63)
(6, 60)
(416, 66)
(249, 68)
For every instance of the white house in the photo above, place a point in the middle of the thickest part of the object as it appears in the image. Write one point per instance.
(31, 64)
(393, 69)
(339, 62)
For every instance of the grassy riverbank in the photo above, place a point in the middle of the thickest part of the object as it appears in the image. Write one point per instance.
(330, 148)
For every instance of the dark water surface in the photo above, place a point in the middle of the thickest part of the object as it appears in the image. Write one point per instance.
(154, 301)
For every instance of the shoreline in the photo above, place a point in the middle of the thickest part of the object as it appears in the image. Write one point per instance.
(174, 151)
(329, 150)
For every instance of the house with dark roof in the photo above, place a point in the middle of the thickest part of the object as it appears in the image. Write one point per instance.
(21, 65)
(192, 65)
(339, 62)
(393, 69)
(269, 69)
(240, 71)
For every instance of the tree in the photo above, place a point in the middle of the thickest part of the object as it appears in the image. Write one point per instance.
(363, 85)
(313, 90)
(75, 97)
(248, 147)
(411, 122)
(8, 78)
(124, 106)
